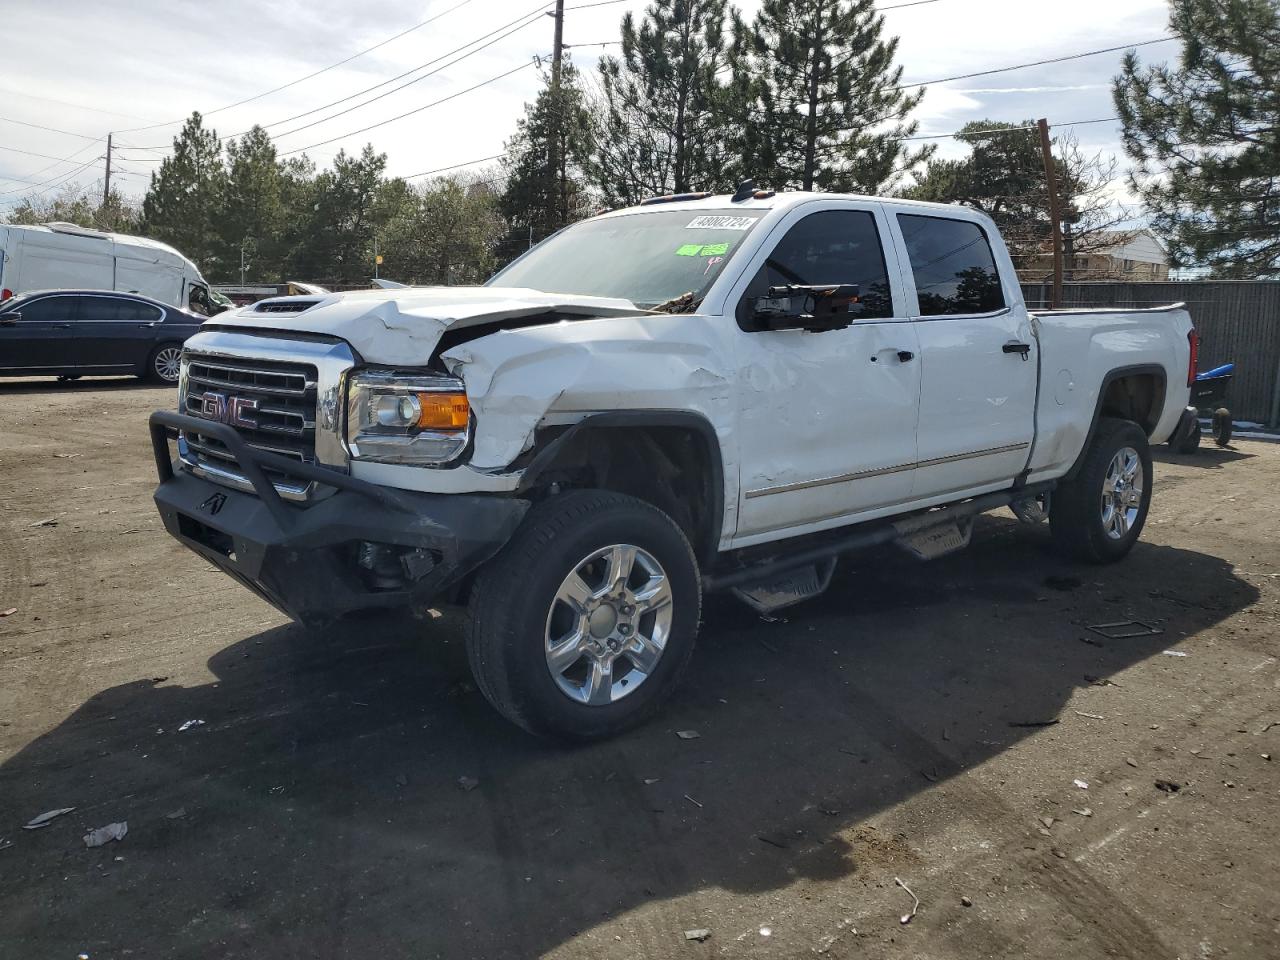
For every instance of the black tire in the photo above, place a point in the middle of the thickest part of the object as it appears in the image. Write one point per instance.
(1222, 426)
(512, 602)
(153, 372)
(1186, 440)
(1076, 516)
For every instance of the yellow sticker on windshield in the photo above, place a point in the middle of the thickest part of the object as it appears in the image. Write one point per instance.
(689, 250)
(715, 249)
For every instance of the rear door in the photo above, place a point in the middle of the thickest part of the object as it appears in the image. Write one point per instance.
(117, 332)
(40, 339)
(979, 362)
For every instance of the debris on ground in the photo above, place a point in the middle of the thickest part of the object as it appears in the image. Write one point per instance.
(5, 844)
(1091, 716)
(688, 734)
(44, 818)
(189, 724)
(699, 935)
(47, 522)
(1124, 629)
(766, 931)
(650, 781)
(1034, 723)
(1082, 784)
(1168, 786)
(966, 902)
(1130, 761)
(176, 814)
(468, 783)
(1173, 653)
(1047, 821)
(1083, 811)
(1057, 853)
(9, 612)
(104, 835)
(907, 917)
(693, 801)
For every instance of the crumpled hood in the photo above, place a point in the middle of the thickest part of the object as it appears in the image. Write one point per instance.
(403, 326)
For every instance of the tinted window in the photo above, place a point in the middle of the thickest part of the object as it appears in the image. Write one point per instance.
(954, 268)
(46, 310)
(117, 310)
(835, 246)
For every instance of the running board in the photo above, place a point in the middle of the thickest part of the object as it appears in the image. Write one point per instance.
(928, 534)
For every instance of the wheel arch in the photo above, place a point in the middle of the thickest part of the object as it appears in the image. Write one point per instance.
(1137, 392)
(680, 450)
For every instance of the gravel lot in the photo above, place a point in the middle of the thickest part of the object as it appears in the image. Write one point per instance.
(921, 722)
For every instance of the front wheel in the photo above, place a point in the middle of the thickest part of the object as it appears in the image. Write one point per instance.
(582, 626)
(1098, 514)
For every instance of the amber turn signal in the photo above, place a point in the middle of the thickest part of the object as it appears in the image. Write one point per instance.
(443, 411)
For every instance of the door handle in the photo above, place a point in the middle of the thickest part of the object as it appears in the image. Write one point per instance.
(905, 356)
(1015, 347)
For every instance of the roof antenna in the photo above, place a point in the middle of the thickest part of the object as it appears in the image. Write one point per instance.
(746, 190)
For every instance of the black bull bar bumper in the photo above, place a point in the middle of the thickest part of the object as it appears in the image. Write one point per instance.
(361, 547)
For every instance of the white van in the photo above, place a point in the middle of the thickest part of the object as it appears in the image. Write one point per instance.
(59, 256)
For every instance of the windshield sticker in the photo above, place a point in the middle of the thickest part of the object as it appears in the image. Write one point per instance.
(711, 262)
(689, 250)
(721, 223)
(715, 249)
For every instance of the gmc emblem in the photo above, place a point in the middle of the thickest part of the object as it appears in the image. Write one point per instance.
(233, 411)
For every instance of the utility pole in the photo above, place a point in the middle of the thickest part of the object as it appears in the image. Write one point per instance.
(106, 179)
(242, 242)
(557, 113)
(1055, 215)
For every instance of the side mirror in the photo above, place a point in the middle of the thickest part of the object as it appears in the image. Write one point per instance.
(811, 307)
(10, 318)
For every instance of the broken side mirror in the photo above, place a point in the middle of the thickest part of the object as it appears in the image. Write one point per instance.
(810, 307)
(10, 318)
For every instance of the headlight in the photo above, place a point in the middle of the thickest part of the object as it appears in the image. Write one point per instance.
(404, 418)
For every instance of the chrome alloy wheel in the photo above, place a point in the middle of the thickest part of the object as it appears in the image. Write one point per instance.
(168, 364)
(608, 624)
(1122, 493)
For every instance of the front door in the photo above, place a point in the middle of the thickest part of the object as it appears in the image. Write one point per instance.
(827, 420)
(39, 340)
(979, 360)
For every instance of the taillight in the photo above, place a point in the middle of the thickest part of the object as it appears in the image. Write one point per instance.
(6, 293)
(1193, 341)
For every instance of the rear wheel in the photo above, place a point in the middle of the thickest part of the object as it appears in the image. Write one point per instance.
(582, 626)
(1098, 515)
(165, 363)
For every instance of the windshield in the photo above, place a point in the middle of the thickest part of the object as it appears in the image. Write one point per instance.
(647, 258)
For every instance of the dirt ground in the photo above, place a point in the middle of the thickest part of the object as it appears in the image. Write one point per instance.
(921, 722)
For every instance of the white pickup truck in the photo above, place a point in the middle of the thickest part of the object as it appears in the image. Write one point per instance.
(700, 393)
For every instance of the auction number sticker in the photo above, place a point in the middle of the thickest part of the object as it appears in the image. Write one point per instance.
(721, 223)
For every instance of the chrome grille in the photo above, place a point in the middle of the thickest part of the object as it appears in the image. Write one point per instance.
(285, 415)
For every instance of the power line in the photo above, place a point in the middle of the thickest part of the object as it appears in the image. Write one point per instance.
(515, 25)
(409, 113)
(40, 126)
(455, 166)
(68, 103)
(1034, 63)
(293, 83)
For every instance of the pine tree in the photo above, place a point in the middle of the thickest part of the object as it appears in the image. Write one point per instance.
(829, 111)
(660, 121)
(250, 219)
(545, 185)
(336, 240)
(1205, 136)
(184, 197)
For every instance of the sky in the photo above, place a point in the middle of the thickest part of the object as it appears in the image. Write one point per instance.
(139, 68)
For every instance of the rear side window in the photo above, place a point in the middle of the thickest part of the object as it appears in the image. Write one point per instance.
(834, 246)
(954, 268)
